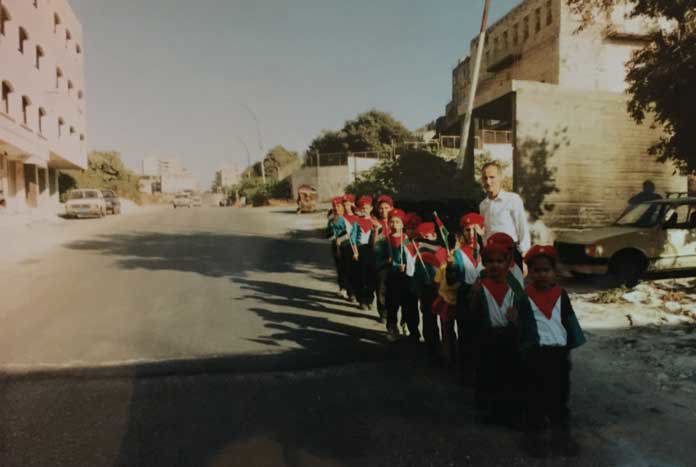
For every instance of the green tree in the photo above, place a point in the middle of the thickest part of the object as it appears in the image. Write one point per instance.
(369, 131)
(660, 75)
(105, 170)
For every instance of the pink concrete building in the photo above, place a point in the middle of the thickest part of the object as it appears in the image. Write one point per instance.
(42, 111)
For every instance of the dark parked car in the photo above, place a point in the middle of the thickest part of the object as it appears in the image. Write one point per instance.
(113, 204)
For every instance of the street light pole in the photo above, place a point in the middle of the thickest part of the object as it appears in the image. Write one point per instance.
(464, 142)
(247, 152)
(260, 140)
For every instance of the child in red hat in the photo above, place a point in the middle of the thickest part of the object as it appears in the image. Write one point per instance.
(381, 248)
(401, 269)
(430, 258)
(337, 234)
(348, 248)
(549, 330)
(468, 266)
(366, 271)
(349, 204)
(490, 318)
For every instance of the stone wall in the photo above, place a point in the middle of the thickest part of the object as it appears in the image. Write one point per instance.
(580, 152)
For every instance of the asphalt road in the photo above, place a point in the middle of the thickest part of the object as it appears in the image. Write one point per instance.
(213, 337)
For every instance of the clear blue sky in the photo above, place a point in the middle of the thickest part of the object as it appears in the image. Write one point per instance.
(172, 77)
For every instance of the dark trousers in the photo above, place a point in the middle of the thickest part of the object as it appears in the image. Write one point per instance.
(381, 290)
(366, 275)
(499, 389)
(400, 296)
(548, 387)
(336, 255)
(347, 267)
(465, 334)
(431, 330)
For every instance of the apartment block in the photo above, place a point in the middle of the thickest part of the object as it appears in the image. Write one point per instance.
(43, 122)
(576, 156)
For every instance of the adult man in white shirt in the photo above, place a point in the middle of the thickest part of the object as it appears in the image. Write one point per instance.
(503, 211)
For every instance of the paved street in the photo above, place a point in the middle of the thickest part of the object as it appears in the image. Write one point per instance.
(180, 285)
(213, 337)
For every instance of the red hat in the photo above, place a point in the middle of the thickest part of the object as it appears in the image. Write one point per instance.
(349, 198)
(426, 228)
(495, 247)
(337, 200)
(398, 213)
(385, 199)
(365, 201)
(502, 239)
(541, 250)
(413, 219)
(472, 218)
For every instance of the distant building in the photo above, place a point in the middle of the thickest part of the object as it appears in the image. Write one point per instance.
(551, 103)
(43, 124)
(227, 176)
(166, 176)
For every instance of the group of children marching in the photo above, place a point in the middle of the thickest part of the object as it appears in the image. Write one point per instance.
(477, 315)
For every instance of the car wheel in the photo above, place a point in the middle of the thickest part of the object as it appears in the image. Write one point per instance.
(626, 268)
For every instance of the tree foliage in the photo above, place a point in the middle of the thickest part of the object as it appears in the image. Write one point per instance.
(369, 131)
(105, 170)
(416, 175)
(661, 75)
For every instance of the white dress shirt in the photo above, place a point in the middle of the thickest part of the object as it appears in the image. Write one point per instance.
(505, 214)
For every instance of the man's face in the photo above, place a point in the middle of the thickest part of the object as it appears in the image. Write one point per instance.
(542, 273)
(384, 209)
(396, 225)
(491, 180)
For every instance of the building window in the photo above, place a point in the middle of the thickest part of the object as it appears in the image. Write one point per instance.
(70, 86)
(59, 77)
(506, 41)
(42, 116)
(7, 89)
(526, 29)
(72, 130)
(78, 49)
(80, 94)
(36, 3)
(68, 37)
(26, 103)
(537, 20)
(549, 13)
(61, 124)
(39, 56)
(516, 34)
(56, 22)
(82, 138)
(4, 18)
(23, 38)
(495, 46)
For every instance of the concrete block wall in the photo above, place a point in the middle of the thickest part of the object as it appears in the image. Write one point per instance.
(597, 151)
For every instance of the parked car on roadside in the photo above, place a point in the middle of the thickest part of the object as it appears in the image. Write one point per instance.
(182, 200)
(113, 204)
(652, 236)
(196, 201)
(85, 203)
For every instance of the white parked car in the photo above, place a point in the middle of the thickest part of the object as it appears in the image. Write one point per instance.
(182, 200)
(85, 203)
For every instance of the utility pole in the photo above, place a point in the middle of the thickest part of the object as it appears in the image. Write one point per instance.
(464, 144)
(260, 141)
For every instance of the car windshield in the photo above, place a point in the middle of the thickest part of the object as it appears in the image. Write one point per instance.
(77, 195)
(91, 194)
(641, 215)
(108, 194)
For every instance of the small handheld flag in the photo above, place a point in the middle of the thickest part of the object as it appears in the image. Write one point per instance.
(443, 230)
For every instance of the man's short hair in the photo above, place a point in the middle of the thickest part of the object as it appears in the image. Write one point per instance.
(495, 164)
